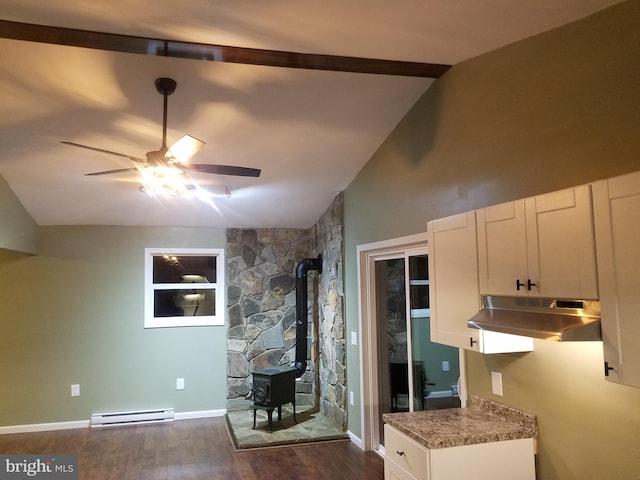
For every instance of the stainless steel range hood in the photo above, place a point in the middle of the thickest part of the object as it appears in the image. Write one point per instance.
(554, 319)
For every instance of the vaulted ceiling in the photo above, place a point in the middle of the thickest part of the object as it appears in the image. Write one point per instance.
(310, 131)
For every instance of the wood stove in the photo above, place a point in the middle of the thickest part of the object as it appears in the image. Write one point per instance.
(272, 388)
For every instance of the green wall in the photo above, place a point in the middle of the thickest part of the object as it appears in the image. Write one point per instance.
(552, 111)
(74, 314)
(18, 231)
(432, 354)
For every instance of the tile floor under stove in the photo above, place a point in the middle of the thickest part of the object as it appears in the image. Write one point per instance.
(311, 426)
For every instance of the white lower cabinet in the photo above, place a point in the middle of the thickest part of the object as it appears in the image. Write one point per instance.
(406, 459)
(404, 456)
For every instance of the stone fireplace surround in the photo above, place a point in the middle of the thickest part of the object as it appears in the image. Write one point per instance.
(261, 300)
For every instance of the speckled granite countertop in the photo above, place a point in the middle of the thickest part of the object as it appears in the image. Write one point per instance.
(482, 421)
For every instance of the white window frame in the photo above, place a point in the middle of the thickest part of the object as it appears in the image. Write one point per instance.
(150, 321)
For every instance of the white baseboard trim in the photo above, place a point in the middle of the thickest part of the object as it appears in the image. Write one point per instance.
(200, 414)
(356, 440)
(46, 427)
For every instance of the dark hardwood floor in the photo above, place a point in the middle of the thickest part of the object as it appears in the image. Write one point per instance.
(193, 450)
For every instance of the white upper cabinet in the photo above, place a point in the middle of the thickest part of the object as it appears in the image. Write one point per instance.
(544, 246)
(453, 276)
(539, 246)
(502, 248)
(454, 295)
(617, 226)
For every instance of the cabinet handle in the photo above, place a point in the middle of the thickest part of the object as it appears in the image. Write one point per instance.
(519, 284)
(472, 341)
(607, 369)
(530, 284)
(399, 453)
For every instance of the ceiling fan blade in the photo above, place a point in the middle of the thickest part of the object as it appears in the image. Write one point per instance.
(109, 172)
(134, 159)
(223, 170)
(185, 148)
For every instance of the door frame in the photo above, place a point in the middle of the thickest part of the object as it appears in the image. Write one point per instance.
(367, 255)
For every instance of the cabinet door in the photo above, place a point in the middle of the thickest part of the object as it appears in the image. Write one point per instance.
(560, 244)
(502, 249)
(453, 276)
(392, 471)
(540, 246)
(617, 227)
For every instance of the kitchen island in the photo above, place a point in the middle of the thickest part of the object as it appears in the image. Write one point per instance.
(485, 440)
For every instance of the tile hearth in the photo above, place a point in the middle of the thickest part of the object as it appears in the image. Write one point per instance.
(312, 426)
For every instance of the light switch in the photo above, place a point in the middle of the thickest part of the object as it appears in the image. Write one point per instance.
(496, 383)
(354, 338)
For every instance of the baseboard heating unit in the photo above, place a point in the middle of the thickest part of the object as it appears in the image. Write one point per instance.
(132, 418)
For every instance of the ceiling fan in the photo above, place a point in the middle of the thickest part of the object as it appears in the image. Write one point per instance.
(162, 162)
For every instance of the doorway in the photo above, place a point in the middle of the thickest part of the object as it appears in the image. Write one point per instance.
(402, 370)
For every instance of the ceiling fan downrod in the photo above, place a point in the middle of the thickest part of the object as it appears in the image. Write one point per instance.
(165, 87)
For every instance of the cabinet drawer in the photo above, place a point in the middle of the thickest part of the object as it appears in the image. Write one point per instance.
(393, 472)
(407, 453)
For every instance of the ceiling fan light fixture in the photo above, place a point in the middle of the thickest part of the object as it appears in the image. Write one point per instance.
(162, 181)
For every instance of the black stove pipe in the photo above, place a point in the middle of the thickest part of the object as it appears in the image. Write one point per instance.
(302, 311)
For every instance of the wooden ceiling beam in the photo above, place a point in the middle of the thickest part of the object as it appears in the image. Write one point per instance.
(214, 53)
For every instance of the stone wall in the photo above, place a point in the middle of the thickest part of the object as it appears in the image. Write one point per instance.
(327, 236)
(395, 314)
(261, 302)
(261, 307)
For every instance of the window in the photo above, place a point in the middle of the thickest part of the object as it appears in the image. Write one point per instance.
(184, 287)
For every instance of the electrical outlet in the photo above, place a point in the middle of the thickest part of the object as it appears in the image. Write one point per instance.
(496, 383)
(75, 390)
(179, 383)
(445, 365)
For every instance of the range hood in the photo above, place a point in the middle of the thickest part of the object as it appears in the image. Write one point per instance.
(554, 319)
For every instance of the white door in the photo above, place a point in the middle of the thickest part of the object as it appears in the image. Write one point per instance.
(402, 369)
